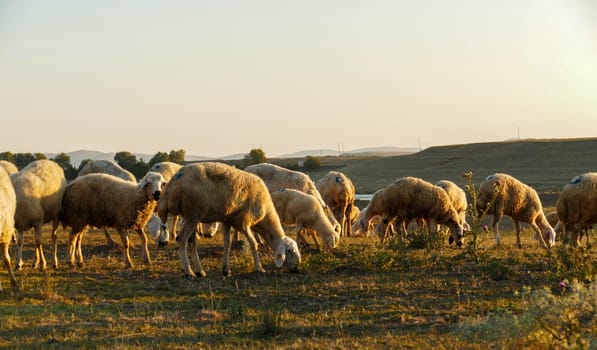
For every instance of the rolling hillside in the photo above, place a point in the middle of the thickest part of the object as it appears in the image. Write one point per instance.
(544, 164)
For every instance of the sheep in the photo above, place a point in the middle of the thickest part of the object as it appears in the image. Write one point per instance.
(8, 205)
(167, 169)
(501, 194)
(411, 198)
(305, 212)
(155, 228)
(107, 167)
(9, 167)
(576, 208)
(458, 198)
(104, 200)
(338, 192)
(39, 188)
(209, 192)
(277, 177)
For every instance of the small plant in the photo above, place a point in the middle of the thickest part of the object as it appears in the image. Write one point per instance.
(271, 318)
(476, 217)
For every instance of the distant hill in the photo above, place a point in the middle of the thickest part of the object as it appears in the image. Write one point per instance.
(370, 151)
(547, 165)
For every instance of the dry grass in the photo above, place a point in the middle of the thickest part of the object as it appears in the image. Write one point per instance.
(360, 295)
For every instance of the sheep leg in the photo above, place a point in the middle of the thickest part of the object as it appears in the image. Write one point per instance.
(253, 245)
(188, 229)
(517, 227)
(227, 245)
(8, 264)
(143, 237)
(111, 242)
(315, 239)
(539, 235)
(346, 219)
(174, 224)
(55, 242)
(19, 249)
(39, 252)
(195, 255)
(495, 229)
(124, 237)
(79, 253)
(74, 244)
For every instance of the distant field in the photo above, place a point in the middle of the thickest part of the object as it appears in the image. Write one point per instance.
(362, 295)
(547, 165)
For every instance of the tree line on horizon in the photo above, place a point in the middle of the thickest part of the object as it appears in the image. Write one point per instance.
(129, 161)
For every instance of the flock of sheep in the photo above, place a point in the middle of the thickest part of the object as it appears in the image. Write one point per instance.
(258, 202)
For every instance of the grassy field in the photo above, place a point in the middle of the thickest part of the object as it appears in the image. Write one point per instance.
(418, 294)
(361, 295)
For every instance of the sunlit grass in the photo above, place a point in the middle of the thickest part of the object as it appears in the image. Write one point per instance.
(363, 294)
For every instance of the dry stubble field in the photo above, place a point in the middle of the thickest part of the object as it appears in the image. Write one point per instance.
(362, 295)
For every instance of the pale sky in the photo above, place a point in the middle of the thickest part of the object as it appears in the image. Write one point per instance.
(222, 77)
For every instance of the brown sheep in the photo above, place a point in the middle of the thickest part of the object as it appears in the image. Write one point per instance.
(306, 213)
(576, 206)
(209, 192)
(104, 200)
(39, 188)
(410, 198)
(517, 200)
(338, 192)
(458, 198)
(8, 205)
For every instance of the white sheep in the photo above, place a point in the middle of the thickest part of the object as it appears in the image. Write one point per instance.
(8, 204)
(167, 169)
(39, 188)
(210, 192)
(577, 206)
(9, 167)
(103, 200)
(521, 202)
(277, 178)
(155, 228)
(338, 192)
(304, 211)
(107, 167)
(411, 198)
(458, 198)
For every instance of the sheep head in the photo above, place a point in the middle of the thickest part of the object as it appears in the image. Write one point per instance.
(153, 183)
(288, 254)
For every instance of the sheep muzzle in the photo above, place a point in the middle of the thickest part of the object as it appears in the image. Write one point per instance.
(156, 195)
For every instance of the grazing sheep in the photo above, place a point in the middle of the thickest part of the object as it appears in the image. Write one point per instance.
(209, 192)
(517, 200)
(167, 169)
(39, 188)
(107, 167)
(155, 228)
(458, 198)
(576, 206)
(9, 167)
(104, 200)
(8, 204)
(305, 212)
(411, 198)
(338, 192)
(277, 178)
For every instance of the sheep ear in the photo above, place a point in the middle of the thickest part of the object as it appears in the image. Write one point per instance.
(280, 255)
(498, 183)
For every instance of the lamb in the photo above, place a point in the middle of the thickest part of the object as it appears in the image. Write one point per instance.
(210, 192)
(167, 169)
(9, 167)
(305, 212)
(8, 205)
(411, 198)
(39, 188)
(277, 178)
(458, 198)
(338, 192)
(576, 206)
(517, 200)
(104, 200)
(157, 230)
